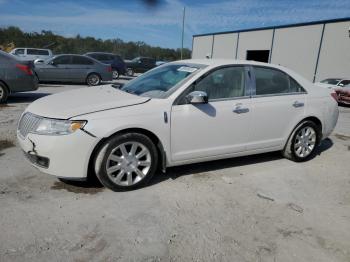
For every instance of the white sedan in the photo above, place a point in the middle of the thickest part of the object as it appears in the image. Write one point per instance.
(179, 113)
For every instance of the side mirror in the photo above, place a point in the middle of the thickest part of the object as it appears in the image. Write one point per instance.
(139, 62)
(341, 85)
(197, 97)
(52, 63)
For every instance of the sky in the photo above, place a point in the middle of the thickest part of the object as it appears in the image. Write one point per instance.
(160, 24)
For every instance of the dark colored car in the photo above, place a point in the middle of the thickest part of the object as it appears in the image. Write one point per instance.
(117, 63)
(15, 76)
(73, 68)
(140, 65)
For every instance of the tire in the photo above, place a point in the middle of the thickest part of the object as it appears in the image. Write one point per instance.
(3, 93)
(115, 74)
(93, 79)
(130, 72)
(119, 169)
(303, 142)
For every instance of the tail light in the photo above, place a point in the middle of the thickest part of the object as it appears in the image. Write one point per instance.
(334, 95)
(25, 68)
(109, 69)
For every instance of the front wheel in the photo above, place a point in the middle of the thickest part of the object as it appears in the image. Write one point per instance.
(126, 162)
(302, 143)
(3, 93)
(93, 79)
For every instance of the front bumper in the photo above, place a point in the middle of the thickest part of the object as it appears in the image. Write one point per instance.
(65, 156)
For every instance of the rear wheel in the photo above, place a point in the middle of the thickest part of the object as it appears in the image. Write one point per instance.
(3, 93)
(115, 74)
(93, 79)
(130, 72)
(302, 143)
(126, 162)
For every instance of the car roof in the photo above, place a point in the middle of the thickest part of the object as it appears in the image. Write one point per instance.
(102, 53)
(213, 63)
(31, 48)
(222, 62)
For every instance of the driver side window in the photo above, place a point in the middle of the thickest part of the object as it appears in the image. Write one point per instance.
(224, 83)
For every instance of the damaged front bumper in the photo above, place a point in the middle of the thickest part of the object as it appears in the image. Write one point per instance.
(65, 156)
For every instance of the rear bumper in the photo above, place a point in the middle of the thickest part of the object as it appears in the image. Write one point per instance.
(65, 156)
(24, 83)
(108, 76)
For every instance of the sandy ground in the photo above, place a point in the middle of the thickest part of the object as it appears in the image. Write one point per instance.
(257, 208)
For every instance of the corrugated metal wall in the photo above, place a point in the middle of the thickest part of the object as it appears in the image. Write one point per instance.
(334, 58)
(298, 48)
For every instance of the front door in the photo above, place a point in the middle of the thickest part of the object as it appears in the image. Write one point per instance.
(54, 70)
(220, 127)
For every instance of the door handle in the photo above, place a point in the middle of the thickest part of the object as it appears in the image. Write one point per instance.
(297, 104)
(241, 110)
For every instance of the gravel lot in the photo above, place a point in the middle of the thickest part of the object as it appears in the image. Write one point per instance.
(256, 208)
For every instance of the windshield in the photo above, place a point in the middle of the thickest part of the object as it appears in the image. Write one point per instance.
(160, 82)
(331, 81)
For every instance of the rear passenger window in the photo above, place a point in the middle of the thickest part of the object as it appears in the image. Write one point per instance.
(270, 82)
(79, 60)
(295, 87)
(37, 52)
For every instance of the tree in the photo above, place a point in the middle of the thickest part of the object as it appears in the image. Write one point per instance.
(81, 45)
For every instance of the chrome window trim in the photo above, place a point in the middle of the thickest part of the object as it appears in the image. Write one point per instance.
(229, 99)
(280, 94)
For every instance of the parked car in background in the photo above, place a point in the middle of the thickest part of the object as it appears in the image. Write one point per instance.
(343, 94)
(179, 113)
(15, 76)
(73, 68)
(117, 63)
(140, 65)
(333, 82)
(31, 54)
(158, 63)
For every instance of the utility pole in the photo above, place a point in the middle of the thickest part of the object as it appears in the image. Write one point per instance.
(183, 31)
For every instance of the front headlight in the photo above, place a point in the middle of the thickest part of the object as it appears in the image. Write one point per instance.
(48, 126)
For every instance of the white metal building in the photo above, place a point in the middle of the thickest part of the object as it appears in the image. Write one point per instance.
(316, 50)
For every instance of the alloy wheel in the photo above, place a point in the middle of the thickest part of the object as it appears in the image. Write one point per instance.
(128, 163)
(93, 80)
(2, 92)
(305, 141)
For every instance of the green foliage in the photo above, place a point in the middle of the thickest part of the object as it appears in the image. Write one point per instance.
(80, 45)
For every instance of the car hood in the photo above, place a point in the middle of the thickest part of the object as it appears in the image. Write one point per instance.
(83, 101)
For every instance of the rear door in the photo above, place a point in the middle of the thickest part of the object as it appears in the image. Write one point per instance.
(80, 67)
(278, 103)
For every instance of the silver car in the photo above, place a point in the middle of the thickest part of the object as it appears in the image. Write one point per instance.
(73, 68)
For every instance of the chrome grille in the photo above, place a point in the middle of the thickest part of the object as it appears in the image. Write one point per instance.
(28, 123)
